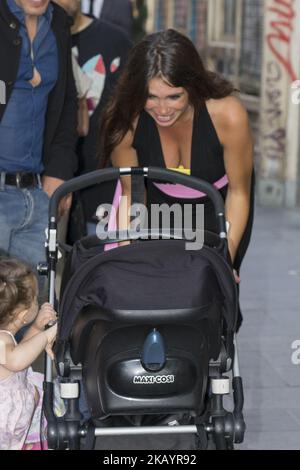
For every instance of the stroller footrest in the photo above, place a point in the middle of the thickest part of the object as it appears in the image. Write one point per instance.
(143, 430)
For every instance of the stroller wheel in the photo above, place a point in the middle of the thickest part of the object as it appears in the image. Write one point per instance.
(201, 439)
(220, 442)
(215, 438)
(222, 439)
(211, 445)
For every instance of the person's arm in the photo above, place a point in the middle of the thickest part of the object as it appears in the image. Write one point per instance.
(124, 155)
(50, 184)
(20, 357)
(45, 316)
(237, 141)
(83, 84)
(62, 160)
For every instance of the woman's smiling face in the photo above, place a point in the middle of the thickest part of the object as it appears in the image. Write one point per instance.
(165, 103)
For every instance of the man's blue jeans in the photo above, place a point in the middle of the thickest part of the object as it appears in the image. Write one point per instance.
(23, 220)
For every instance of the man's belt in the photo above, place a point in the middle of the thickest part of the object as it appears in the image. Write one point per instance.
(22, 179)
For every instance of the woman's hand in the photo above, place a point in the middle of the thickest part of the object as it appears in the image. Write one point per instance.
(45, 316)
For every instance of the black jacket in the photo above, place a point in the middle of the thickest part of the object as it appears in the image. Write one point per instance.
(60, 135)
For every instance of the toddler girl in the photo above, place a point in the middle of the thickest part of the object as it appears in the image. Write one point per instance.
(19, 397)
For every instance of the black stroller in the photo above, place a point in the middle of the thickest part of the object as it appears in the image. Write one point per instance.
(147, 329)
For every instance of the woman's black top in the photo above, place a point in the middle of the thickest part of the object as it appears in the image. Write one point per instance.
(207, 163)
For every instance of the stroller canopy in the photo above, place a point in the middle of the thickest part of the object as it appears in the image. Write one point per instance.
(149, 275)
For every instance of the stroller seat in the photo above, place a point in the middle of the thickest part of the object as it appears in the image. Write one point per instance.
(149, 280)
(117, 382)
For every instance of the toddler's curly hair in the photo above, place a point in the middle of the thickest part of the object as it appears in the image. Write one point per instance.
(18, 288)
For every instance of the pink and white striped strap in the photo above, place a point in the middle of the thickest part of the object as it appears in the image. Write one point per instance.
(180, 191)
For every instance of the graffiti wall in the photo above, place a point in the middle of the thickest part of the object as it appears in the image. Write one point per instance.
(281, 68)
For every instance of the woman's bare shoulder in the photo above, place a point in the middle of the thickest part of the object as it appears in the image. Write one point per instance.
(228, 112)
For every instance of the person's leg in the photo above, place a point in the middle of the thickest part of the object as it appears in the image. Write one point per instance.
(12, 214)
(28, 240)
(83, 406)
(15, 212)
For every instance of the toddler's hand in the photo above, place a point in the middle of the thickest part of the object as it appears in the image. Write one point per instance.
(51, 335)
(46, 315)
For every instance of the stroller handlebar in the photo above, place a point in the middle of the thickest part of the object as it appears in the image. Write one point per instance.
(153, 173)
(80, 182)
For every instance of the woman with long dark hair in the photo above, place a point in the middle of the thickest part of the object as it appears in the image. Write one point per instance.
(168, 111)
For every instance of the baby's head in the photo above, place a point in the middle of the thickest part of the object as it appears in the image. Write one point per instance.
(18, 293)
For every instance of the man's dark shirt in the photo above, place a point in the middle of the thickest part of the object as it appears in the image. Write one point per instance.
(102, 51)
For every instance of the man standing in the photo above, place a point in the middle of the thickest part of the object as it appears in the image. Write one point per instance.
(117, 12)
(101, 50)
(37, 121)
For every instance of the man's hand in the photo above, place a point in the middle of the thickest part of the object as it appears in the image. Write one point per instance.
(83, 117)
(46, 315)
(236, 276)
(50, 184)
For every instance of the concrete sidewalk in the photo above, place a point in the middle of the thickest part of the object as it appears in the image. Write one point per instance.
(270, 299)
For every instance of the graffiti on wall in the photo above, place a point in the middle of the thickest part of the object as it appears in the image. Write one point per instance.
(280, 34)
(278, 74)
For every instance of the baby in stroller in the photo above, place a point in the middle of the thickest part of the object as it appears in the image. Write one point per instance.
(148, 329)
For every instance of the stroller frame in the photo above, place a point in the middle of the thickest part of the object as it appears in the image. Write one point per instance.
(222, 427)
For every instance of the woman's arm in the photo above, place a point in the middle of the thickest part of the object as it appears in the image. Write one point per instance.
(124, 155)
(235, 135)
